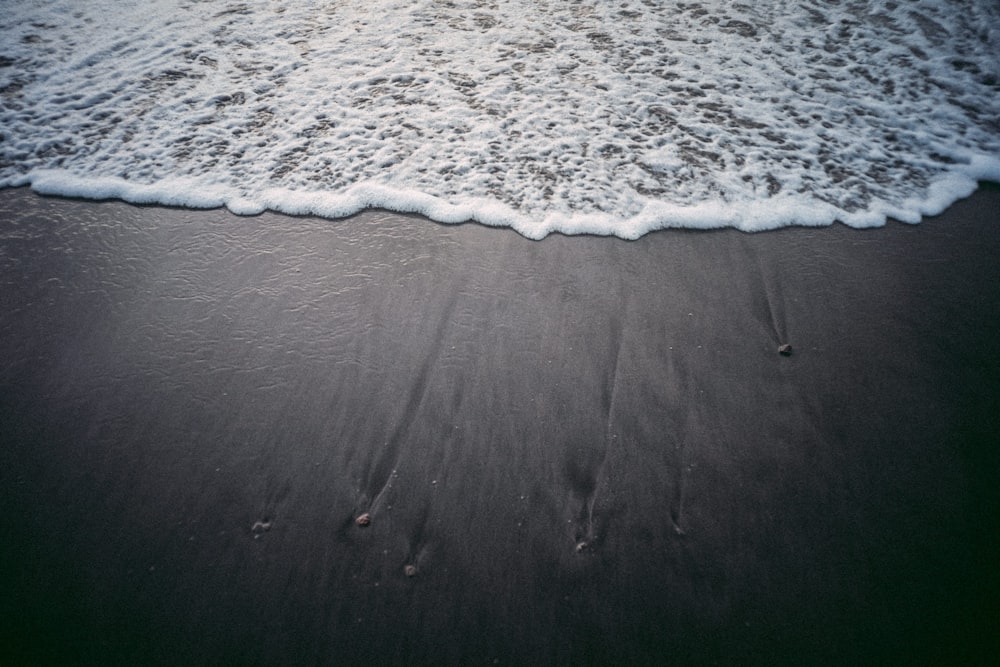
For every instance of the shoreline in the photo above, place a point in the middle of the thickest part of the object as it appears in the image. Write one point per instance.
(573, 450)
(743, 217)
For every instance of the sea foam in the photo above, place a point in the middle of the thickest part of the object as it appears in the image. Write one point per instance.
(577, 117)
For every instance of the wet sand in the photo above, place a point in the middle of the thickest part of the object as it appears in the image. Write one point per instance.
(580, 450)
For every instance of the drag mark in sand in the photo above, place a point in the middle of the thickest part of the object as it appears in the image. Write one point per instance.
(383, 473)
(587, 481)
(364, 519)
(584, 480)
(418, 551)
(277, 493)
(677, 506)
(768, 292)
(682, 468)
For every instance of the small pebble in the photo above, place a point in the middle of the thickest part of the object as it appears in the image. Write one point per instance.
(785, 350)
(410, 570)
(363, 520)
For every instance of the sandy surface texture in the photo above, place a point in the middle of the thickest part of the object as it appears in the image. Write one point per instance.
(380, 440)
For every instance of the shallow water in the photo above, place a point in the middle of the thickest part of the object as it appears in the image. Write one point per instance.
(612, 118)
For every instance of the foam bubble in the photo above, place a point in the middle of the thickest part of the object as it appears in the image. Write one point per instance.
(590, 117)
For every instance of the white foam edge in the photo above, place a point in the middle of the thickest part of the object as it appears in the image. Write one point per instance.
(958, 183)
(750, 216)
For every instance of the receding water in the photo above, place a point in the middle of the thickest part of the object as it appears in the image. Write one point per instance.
(588, 116)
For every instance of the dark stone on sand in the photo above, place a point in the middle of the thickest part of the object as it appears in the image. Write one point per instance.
(785, 350)
(363, 520)
(410, 570)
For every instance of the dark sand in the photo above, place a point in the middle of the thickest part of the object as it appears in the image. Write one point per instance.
(588, 450)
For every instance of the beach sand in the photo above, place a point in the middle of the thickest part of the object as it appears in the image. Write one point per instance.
(575, 451)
